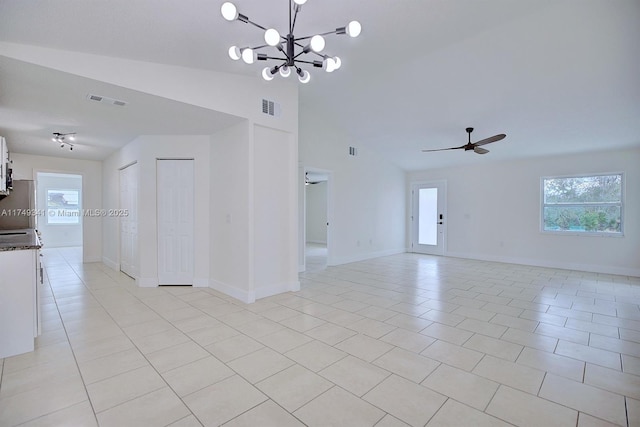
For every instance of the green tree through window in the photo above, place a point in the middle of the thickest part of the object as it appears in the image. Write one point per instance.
(589, 204)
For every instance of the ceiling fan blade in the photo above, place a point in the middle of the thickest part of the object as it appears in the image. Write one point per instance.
(489, 140)
(445, 149)
(480, 150)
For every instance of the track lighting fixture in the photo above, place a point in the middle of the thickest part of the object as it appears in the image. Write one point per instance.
(287, 45)
(61, 138)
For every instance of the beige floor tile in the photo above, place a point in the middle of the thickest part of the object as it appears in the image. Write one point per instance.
(188, 421)
(259, 365)
(455, 414)
(372, 328)
(109, 366)
(354, 375)
(302, 322)
(364, 347)
(406, 400)
(612, 380)
(474, 313)
(47, 399)
(406, 364)
(633, 411)
(176, 356)
(465, 387)
(169, 338)
(529, 339)
(213, 334)
(410, 323)
(514, 375)
(157, 408)
(330, 334)
(195, 376)
(115, 390)
(596, 328)
(443, 317)
(482, 327)
(259, 328)
(613, 344)
(284, 340)
(390, 421)
(630, 364)
(104, 347)
(453, 355)
(502, 307)
(224, 400)
(294, 387)
(593, 355)
(336, 408)
(377, 313)
(267, 414)
(585, 420)
(315, 355)
(411, 341)
(28, 379)
(495, 347)
(526, 410)
(557, 364)
(279, 313)
(234, 347)
(447, 333)
(514, 322)
(585, 398)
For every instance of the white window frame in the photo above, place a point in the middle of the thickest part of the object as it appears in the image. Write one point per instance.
(583, 233)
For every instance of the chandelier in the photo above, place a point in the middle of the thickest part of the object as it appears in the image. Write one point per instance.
(61, 138)
(290, 47)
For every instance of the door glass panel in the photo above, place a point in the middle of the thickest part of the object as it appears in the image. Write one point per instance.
(428, 216)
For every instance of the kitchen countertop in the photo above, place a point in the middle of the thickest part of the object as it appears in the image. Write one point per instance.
(20, 239)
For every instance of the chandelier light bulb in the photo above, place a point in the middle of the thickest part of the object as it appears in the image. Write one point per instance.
(304, 76)
(329, 65)
(317, 43)
(229, 11)
(266, 74)
(285, 71)
(338, 62)
(72, 137)
(234, 53)
(354, 28)
(300, 2)
(248, 55)
(272, 37)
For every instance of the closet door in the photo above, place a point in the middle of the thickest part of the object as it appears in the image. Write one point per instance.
(129, 223)
(175, 200)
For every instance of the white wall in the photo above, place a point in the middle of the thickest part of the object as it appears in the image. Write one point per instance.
(367, 200)
(25, 166)
(494, 213)
(316, 212)
(145, 150)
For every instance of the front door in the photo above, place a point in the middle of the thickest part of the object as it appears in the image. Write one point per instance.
(428, 218)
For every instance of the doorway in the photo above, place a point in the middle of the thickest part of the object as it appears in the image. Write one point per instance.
(59, 196)
(316, 219)
(428, 217)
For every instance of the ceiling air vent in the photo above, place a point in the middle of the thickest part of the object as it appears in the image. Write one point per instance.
(271, 108)
(106, 100)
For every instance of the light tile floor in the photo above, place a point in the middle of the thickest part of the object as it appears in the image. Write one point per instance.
(394, 341)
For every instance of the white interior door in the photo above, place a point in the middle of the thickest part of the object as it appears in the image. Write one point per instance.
(175, 201)
(428, 218)
(129, 223)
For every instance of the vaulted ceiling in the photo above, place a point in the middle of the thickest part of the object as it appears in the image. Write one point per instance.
(557, 76)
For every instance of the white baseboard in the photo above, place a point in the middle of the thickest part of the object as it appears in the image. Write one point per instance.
(239, 294)
(110, 263)
(279, 288)
(318, 242)
(591, 268)
(200, 282)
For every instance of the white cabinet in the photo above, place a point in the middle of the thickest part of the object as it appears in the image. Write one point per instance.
(19, 305)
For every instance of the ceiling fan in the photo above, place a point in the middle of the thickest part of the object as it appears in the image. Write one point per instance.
(475, 146)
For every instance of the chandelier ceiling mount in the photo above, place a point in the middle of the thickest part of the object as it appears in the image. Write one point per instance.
(290, 48)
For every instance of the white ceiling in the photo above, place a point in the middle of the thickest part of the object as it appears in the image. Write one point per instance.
(555, 76)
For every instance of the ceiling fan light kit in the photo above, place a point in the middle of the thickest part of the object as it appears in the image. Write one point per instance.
(290, 48)
(473, 146)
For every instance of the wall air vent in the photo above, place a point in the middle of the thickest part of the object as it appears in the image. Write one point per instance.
(106, 100)
(271, 108)
(353, 151)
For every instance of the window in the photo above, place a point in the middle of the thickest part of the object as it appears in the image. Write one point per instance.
(583, 204)
(63, 206)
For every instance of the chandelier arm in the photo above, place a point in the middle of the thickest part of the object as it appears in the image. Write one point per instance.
(255, 25)
(328, 33)
(305, 62)
(274, 58)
